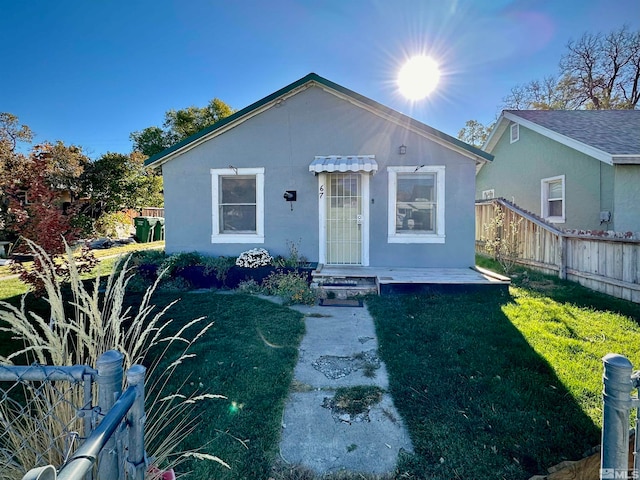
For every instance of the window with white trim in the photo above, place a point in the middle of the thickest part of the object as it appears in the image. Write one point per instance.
(553, 199)
(237, 205)
(488, 194)
(514, 133)
(416, 204)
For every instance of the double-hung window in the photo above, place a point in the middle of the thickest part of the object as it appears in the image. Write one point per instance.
(553, 199)
(416, 204)
(237, 205)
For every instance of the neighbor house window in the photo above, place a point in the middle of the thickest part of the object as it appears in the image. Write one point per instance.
(416, 204)
(553, 199)
(238, 205)
(515, 132)
(488, 194)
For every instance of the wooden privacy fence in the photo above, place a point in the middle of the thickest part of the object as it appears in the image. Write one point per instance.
(152, 212)
(605, 264)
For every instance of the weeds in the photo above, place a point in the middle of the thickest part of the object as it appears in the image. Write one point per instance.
(292, 287)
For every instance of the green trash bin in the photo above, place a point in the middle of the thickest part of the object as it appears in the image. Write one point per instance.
(158, 230)
(153, 222)
(144, 233)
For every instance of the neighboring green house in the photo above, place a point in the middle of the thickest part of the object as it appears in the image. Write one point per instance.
(577, 169)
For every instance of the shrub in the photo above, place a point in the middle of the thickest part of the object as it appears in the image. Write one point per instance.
(292, 287)
(501, 239)
(114, 225)
(218, 265)
(147, 257)
(254, 258)
(250, 287)
(176, 261)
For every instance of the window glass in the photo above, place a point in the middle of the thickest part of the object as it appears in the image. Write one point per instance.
(415, 203)
(555, 190)
(555, 208)
(237, 204)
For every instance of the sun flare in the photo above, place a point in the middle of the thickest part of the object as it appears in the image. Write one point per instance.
(418, 77)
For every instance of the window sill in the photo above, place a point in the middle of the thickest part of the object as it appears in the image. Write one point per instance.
(415, 239)
(555, 220)
(231, 238)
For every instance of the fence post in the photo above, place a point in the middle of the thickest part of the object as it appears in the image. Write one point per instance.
(562, 246)
(109, 380)
(136, 420)
(618, 385)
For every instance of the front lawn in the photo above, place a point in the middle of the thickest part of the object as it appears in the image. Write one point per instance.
(490, 386)
(248, 356)
(501, 386)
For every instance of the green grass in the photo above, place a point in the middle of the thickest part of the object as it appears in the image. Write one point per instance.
(248, 356)
(5, 270)
(501, 386)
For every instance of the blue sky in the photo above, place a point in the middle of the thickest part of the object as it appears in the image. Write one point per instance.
(91, 72)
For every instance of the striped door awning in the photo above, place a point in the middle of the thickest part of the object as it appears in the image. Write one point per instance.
(347, 163)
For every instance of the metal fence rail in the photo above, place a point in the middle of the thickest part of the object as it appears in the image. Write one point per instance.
(619, 383)
(52, 415)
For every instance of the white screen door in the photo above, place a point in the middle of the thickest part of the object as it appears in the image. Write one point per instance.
(344, 219)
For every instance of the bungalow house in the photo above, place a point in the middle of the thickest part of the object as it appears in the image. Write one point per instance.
(577, 169)
(349, 181)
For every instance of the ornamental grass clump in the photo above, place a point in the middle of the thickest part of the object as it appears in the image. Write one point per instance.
(254, 258)
(84, 322)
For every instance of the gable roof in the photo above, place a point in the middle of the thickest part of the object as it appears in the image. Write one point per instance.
(611, 136)
(305, 82)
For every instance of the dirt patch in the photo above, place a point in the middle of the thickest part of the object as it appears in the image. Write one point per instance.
(352, 405)
(335, 367)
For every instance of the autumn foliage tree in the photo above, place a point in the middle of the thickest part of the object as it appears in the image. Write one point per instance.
(37, 208)
(35, 190)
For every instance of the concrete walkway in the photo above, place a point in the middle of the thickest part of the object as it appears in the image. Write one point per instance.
(339, 349)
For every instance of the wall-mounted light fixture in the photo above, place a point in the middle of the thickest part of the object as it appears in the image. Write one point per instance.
(402, 149)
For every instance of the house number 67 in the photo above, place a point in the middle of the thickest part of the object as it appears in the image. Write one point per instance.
(321, 191)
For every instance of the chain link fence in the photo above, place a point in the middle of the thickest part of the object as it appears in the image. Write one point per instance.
(76, 418)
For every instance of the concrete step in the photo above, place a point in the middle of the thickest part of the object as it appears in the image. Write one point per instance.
(342, 287)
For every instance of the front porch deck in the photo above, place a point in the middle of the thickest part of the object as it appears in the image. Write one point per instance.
(411, 280)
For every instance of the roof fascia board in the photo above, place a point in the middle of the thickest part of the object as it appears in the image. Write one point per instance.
(563, 139)
(626, 159)
(495, 134)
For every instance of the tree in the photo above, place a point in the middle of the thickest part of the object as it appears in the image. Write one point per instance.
(116, 181)
(178, 125)
(598, 71)
(11, 132)
(474, 133)
(36, 206)
(550, 93)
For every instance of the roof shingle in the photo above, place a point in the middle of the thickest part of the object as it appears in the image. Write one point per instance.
(616, 132)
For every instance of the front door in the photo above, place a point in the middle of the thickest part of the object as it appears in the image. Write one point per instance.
(344, 225)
